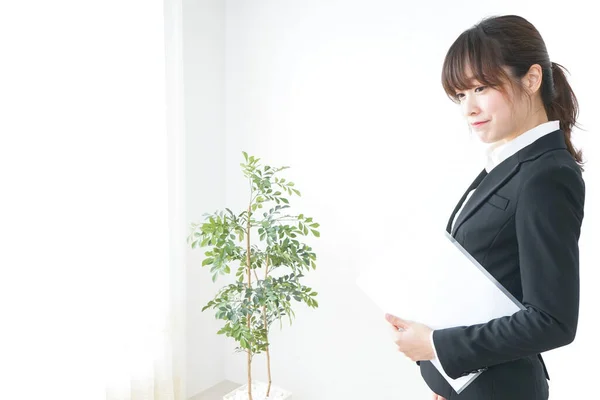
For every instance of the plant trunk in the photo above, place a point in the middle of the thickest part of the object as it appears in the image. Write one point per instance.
(249, 351)
(267, 334)
(268, 354)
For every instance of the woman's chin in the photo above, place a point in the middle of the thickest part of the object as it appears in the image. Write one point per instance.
(485, 138)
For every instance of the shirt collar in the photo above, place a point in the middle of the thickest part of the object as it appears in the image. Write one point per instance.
(501, 150)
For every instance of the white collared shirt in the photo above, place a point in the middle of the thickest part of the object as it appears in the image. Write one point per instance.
(500, 151)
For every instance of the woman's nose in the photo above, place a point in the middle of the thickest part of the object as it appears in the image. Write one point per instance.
(470, 107)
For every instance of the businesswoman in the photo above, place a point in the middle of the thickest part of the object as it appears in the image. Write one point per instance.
(520, 218)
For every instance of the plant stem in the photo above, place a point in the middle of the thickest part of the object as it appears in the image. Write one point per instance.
(249, 359)
(267, 334)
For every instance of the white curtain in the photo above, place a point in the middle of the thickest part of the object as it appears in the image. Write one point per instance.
(140, 361)
(92, 236)
(145, 338)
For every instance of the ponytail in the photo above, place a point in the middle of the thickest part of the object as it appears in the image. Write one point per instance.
(562, 105)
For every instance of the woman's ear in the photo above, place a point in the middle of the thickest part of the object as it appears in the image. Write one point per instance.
(532, 81)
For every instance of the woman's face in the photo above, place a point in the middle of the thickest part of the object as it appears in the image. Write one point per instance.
(492, 110)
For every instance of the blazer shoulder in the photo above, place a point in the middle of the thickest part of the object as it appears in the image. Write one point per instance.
(558, 162)
(554, 173)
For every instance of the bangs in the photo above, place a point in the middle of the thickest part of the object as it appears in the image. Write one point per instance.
(475, 53)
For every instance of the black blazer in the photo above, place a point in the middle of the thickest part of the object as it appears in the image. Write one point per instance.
(522, 224)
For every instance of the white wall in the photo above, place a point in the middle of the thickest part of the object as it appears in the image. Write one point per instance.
(204, 74)
(348, 94)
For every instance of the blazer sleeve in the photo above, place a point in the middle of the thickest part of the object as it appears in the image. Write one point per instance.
(548, 218)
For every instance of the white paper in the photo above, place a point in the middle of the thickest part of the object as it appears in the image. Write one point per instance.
(445, 288)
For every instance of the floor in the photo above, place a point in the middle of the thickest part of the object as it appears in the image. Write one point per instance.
(216, 392)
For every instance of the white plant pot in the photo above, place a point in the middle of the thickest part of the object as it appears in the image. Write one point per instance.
(259, 391)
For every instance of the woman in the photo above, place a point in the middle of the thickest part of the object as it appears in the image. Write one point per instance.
(520, 219)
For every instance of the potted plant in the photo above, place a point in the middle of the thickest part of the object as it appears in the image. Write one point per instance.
(268, 276)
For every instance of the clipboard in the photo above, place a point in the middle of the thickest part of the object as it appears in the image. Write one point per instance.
(434, 282)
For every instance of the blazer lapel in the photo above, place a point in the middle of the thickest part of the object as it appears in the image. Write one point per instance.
(506, 170)
(473, 185)
(492, 181)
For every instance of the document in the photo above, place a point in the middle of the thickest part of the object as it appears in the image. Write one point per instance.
(435, 281)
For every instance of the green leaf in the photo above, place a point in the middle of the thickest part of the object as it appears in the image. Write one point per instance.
(207, 261)
(316, 233)
(245, 155)
(223, 330)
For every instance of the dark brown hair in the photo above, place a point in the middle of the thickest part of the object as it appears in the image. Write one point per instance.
(513, 43)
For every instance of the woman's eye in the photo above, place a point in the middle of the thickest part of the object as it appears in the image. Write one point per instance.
(460, 96)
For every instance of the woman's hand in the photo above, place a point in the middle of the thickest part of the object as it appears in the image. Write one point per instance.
(438, 397)
(413, 339)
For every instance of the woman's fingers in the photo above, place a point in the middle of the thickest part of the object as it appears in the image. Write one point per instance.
(398, 322)
(438, 397)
